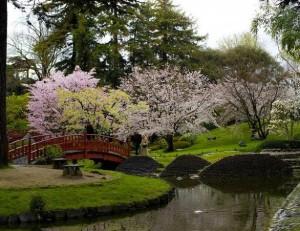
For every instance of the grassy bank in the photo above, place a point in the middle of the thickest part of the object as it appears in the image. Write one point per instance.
(121, 189)
(226, 144)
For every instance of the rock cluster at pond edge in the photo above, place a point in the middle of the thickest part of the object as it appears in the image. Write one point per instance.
(139, 165)
(185, 165)
(245, 166)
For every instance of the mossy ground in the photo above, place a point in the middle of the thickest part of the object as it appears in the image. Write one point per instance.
(121, 189)
(226, 144)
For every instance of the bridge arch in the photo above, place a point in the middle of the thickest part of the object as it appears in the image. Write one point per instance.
(75, 147)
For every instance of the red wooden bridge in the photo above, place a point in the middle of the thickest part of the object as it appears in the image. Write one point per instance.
(75, 147)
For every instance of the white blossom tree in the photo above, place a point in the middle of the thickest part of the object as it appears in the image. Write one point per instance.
(284, 115)
(178, 102)
(249, 101)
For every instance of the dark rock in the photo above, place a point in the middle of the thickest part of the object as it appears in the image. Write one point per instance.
(248, 171)
(256, 165)
(3, 220)
(13, 220)
(60, 215)
(141, 205)
(139, 165)
(117, 209)
(211, 138)
(242, 144)
(47, 216)
(27, 218)
(184, 165)
(131, 207)
(91, 212)
(75, 213)
(164, 199)
(154, 202)
(104, 210)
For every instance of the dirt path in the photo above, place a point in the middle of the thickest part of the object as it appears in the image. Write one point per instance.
(28, 177)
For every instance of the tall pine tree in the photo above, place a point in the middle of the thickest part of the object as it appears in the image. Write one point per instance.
(114, 22)
(74, 30)
(162, 34)
(90, 33)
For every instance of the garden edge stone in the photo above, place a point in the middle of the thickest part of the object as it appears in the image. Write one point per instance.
(87, 212)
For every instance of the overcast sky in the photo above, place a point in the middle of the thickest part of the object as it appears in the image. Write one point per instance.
(217, 18)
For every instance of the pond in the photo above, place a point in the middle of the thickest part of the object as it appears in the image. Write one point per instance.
(196, 207)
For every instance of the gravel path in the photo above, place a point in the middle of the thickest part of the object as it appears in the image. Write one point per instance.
(31, 176)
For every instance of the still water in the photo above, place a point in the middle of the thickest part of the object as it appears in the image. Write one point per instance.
(196, 207)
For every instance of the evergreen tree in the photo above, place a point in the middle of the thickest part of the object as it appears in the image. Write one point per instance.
(166, 35)
(114, 22)
(74, 31)
(141, 41)
(81, 29)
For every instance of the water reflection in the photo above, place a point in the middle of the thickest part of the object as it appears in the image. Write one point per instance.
(196, 207)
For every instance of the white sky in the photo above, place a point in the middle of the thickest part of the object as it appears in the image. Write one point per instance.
(217, 18)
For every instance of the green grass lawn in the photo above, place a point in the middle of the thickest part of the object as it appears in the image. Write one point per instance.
(122, 189)
(226, 144)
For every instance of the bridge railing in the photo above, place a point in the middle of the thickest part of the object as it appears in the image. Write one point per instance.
(34, 147)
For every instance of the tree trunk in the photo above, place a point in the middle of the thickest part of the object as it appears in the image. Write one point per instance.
(170, 142)
(3, 55)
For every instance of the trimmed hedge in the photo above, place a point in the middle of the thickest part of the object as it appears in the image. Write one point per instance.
(281, 144)
(184, 165)
(139, 165)
(246, 166)
(244, 173)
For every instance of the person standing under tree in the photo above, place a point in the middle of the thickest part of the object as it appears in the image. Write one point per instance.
(89, 131)
(144, 146)
(136, 140)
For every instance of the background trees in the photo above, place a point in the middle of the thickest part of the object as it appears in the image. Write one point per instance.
(282, 23)
(252, 82)
(90, 34)
(34, 51)
(178, 102)
(167, 35)
(114, 36)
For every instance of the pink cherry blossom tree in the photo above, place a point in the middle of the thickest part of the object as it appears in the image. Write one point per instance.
(45, 115)
(178, 102)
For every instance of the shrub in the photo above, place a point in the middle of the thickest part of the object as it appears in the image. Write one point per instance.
(53, 151)
(281, 144)
(158, 144)
(189, 137)
(37, 204)
(209, 126)
(90, 164)
(17, 113)
(297, 136)
(181, 144)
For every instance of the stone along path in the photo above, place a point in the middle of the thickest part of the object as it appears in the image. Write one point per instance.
(288, 217)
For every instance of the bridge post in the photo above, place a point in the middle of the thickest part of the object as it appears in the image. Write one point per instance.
(29, 150)
(85, 145)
